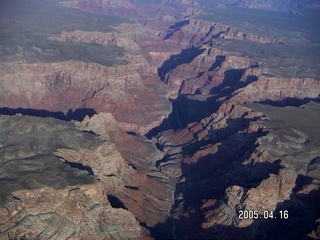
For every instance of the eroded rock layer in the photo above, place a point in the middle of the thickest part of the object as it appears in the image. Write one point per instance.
(176, 135)
(44, 197)
(74, 85)
(240, 159)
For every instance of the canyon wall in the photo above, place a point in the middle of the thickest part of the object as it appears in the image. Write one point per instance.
(59, 197)
(174, 140)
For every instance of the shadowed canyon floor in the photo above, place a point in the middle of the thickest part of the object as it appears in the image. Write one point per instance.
(159, 119)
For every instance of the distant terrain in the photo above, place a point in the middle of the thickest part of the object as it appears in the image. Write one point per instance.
(300, 35)
(28, 25)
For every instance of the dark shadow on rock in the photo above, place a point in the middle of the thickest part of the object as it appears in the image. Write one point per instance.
(185, 56)
(78, 114)
(169, 123)
(220, 135)
(289, 101)
(219, 60)
(132, 188)
(116, 202)
(185, 111)
(231, 79)
(294, 218)
(175, 27)
(80, 166)
(186, 108)
(132, 133)
(214, 173)
(162, 230)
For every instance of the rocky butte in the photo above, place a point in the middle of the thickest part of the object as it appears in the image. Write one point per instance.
(159, 119)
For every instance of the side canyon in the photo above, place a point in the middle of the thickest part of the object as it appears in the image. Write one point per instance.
(159, 119)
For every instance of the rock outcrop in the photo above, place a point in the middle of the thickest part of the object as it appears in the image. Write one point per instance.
(197, 32)
(111, 7)
(278, 89)
(235, 160)
(177, 134)
(59, 87)
(283, 5)
(208, 68)
(44, 197)
(72, 213)
(148, 193)
(100, 183)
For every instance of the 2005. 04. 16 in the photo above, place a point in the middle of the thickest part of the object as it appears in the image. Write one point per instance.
(254, 214)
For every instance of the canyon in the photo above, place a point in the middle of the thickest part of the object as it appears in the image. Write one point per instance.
(159, 120)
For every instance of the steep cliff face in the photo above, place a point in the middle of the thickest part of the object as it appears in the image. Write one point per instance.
(52, 186)
(235, 161)
(126, 89)
(111, 7)
(126, 36)
(283, 5)
(73, 213)
(89, 179)
(147, 192)
(223, 150)
(121, 90)
(278, 89)
(109, 39)
(197, 32)
(284, 191)
(241, 158)
(207, 68)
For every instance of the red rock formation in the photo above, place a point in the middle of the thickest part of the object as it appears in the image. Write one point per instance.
(111, 7)
(198, 32)
(41, 197)
(277, 89)
(148, 193)
(207, 70)
(72, 85)
(214, 154)
(205, 172)
(78, 212)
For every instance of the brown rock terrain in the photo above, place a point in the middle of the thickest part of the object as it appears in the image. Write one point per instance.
(232, 161)
(291, 6)
(197, 32)
(96, 205)
(273, 88)
(75, 85)
(208, 69)
(42, 197)
(236, 137)
(147, 192)
(113, 7)
(81, 212)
